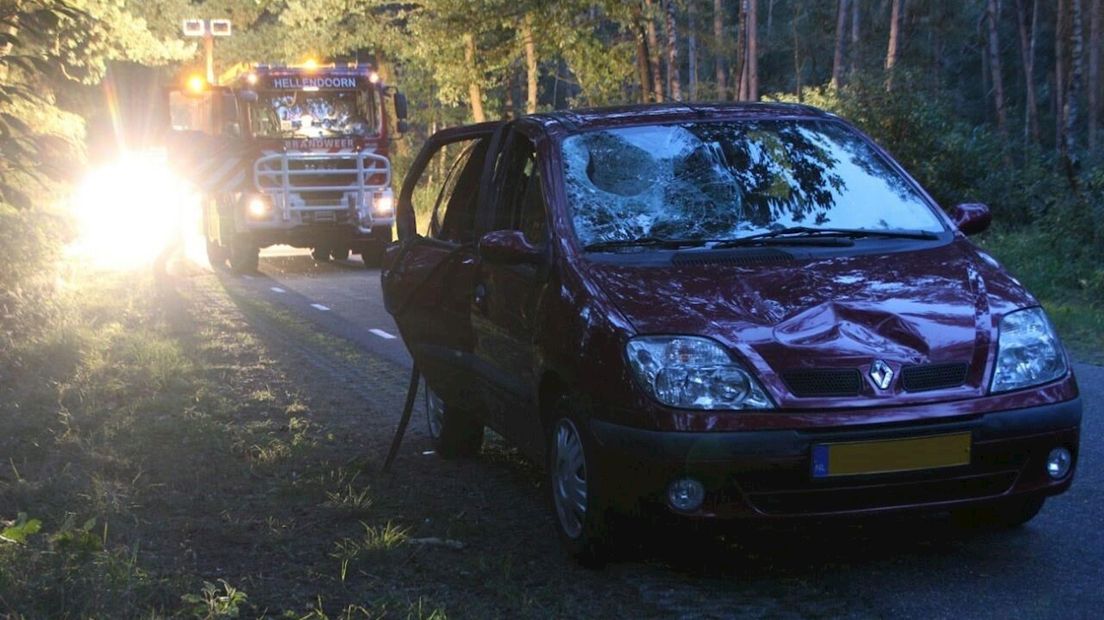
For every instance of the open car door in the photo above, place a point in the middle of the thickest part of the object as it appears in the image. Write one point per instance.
(428, 277)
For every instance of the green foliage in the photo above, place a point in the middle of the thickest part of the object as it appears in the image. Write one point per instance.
(214, 602)
(18, 531)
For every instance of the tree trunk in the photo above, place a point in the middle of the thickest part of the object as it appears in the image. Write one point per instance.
(741, 53)
(692, 46)
(841, 35)
(753, 50)
(509, 107)
(856, 22)
(643, 65)
(1060, 34)
(653, 49)
(797, 50)
(674, 88)
(1094, 73)
(893, 51)
(530, 65)
(1027, 58)
(1073, 90)
(992, 15)
(719, 48)
(475, 91)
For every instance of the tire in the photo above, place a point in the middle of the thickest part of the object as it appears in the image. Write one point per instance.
(321, 254)
(339, 253)
(216, 255)
(244, 256)
(1000, 515)
(577, 491)
(455, 433)
(372, 255)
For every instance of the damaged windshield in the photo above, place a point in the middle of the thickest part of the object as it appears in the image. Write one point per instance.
(318, 114)
(729, 180)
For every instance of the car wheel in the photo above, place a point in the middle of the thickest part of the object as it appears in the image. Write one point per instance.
(339, 253)
(454, 432)
(1003, 514)
(577, 488)
(320, 254)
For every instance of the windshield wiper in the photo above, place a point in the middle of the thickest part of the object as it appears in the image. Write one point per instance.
(821, 236)
(643, 242)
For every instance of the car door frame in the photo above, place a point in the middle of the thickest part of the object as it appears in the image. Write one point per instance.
(426, 263)
(514, 410)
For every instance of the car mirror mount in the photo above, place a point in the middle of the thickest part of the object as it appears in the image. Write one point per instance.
(508, 247)
(971, 218)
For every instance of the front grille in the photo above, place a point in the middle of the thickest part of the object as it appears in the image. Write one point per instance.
(866, 497)
(823, 381)
(322, 198)
(933, 376)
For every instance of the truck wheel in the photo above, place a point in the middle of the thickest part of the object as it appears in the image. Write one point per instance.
(320, 254)
(339, 253)
(454, 432)
(372, 255)
(1001, 515)
(216, 255)
(577, 490)
(244, 256)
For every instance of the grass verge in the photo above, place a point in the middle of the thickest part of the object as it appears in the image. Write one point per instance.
(1068, 282)
(157, 462)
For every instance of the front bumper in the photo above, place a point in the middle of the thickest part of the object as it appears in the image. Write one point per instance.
(768, 474)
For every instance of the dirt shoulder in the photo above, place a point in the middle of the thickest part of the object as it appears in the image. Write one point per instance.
(171, 436)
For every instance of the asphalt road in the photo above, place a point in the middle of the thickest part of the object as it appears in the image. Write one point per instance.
(914, 568)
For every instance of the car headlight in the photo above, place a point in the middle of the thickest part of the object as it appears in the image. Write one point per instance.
(1028, 352)
(693, 373)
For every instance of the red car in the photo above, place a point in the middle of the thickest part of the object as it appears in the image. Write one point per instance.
(720, 312)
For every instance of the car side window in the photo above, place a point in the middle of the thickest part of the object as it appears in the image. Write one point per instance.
(446, 195)
(521, 206)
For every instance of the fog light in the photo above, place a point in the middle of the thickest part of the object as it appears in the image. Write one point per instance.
(685, 494)
(1058, 463)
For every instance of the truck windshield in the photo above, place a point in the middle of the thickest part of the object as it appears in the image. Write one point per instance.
(728, 180)
(317, 114)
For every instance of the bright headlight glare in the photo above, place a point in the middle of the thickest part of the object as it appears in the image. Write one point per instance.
(257, 207)
(1028, 352)
(383, 203)
(693, 373)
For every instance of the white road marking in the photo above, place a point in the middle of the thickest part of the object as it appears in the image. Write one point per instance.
(320, 307)
(247, 277)
(382, 334)
(277, 289)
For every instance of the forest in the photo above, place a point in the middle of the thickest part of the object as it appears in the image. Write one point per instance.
(996, 101)
(174, 445)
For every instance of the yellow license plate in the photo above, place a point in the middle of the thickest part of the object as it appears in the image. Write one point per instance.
(890, 455)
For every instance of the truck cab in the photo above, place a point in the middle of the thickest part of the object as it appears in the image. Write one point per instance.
(290, 155)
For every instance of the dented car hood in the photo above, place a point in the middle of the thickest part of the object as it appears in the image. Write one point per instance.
(938, 305)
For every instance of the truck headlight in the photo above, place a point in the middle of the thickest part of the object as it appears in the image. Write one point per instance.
(383, 203)
(1028, 352)
(258, 207)
(693, 373)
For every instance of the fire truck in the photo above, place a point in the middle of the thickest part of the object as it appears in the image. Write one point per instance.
(294, 155)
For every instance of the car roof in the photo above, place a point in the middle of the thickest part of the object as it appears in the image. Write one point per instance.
(572, 121)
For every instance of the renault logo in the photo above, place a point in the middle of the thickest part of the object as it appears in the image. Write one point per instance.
(881, 373)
